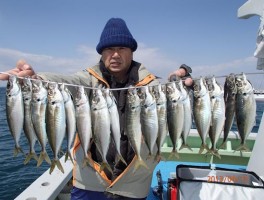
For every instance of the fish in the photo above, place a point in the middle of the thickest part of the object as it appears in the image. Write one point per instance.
(133, 125)
(83, 122)
(15, 111)
(114, 121)
(202, 110)
(56, 123)
(216, 92)
(148, 118)
(101, 126)
(175, 113)
(187, 110)
(230, 91)
(161, 102)
(38, 116)
(70, 119)
(28, 128)
(245, 109)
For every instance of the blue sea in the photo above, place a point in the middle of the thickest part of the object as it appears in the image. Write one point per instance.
(15, 176)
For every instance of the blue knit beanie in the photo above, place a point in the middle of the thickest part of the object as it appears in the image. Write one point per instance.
(116, 34)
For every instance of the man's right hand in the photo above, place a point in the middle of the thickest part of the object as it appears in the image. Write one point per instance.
(23, 69)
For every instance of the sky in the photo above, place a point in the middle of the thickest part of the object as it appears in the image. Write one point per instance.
(60, 36)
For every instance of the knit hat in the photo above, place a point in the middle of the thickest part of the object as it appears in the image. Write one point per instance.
(117, 34)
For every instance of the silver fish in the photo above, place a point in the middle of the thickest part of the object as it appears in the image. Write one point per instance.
(14, 111)
(187, 110)
(28, 125)
(148, 118)
(245, 109)
(83, 122)
(38, 114)
(161, 103)
(101, 126)
(216, 92)
(56, 123)
(174, 115)
(70, 119)
(133, 126)
(202, 110)
(114, 119)
(230, 91)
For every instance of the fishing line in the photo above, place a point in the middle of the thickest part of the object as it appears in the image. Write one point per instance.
(130, 87)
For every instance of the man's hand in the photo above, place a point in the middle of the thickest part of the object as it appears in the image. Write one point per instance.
(181, 73)
(22, 70)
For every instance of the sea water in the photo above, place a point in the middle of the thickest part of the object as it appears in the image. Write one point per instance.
(14, 175)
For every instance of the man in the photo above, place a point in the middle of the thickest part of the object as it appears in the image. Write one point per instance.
(116, 69)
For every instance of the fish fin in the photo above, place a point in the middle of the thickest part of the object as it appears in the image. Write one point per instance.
(85, 161)
(174, 153)
(159, 157)
(42, 156)
(68, 154)
(18, 150)
(222, 146)
(213, 152)
(52, 167)
(58, 163)
(106, 165)
(202, 148)
(185, 146)
(243, 147)
(120, 157)
(29, 156)
(139, 162)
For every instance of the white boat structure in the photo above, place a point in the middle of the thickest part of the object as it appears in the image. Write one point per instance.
(57, 185)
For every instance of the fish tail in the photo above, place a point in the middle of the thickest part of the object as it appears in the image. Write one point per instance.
(203, 147)
(85, 161)
(223, 144)
(242, 147)
(56, 163)
(18, 150)
(213, 152)
(30, 156)
(159, 157)
(105, 165)
(52, 167)
(68, 154)
(174, 154)
(185, 146)
(120, 157)
(43, 156)
(140, 162)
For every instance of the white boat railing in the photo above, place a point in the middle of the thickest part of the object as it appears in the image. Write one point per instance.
(48, 186)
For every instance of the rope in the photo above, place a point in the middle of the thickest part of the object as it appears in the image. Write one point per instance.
(125, 88)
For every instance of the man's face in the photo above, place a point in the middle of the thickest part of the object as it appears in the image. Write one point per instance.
(117, 60)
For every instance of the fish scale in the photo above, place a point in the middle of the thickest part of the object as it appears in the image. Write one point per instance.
(216, 92)
(161, 102)
(101, 126)
(202, 110)
(14, 111)
(175, 113)
(28, 125)
(56, 123)
(38, 114)
(148, 118)
(70, 119)
(83, 122)
(133, 126)
(245, 109)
